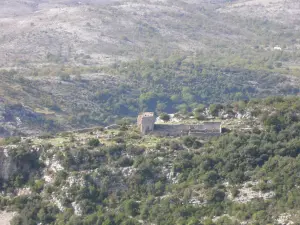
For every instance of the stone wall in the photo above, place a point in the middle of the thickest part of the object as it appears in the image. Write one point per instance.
(213, 126)
(205, 129)
(204, 134)
(171, 130)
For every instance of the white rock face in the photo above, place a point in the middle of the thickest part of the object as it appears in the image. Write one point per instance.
(277, 48)
(197, 202)
(247, 193)
(53, 165)
(48, 178)
(7, 165)
(23, 191)
(128, 171)
(284, 219)
(6, 217)
(75, 180)
(19, 121)
(58, 203)
(171, 176)
(77, 209)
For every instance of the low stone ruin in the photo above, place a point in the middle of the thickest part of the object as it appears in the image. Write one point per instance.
(146, 124)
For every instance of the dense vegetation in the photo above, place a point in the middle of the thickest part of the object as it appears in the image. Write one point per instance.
(126, 178)
(133, 56)
(175, 84)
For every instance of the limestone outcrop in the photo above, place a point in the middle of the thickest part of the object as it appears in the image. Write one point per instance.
(8, 165)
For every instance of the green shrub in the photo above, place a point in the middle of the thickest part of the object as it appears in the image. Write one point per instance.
(125, 162)
(165, 117)
(94, 142)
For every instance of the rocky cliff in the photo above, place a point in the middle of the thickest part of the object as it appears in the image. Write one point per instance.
(7, 164)
(16, 119)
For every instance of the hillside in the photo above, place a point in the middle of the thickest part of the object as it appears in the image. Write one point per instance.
(80, 64)
(116, 176)
(90, 33)
(74, 75)
(283, 12)
(36, 104)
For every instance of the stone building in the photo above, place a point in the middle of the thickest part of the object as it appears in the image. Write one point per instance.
(146, 124)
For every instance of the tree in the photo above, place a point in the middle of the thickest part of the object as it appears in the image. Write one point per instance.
(94, 142)
(214, 109)
(189, 141)
(165, 117)
(200, 108)
(216, 195)
(199, 116)
(132, 207)
(161, 106)
(278, 64)
(130, 222)
(17, 220)
(194, 221)
(64, 76)
(211, 178)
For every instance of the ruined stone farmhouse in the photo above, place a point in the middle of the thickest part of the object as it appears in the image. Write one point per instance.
(146, 124)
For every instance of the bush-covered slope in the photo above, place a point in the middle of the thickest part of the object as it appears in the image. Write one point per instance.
(246, 177)
(89, 33)
(102, 97)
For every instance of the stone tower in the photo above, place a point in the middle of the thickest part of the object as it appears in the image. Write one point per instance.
(145, 122)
